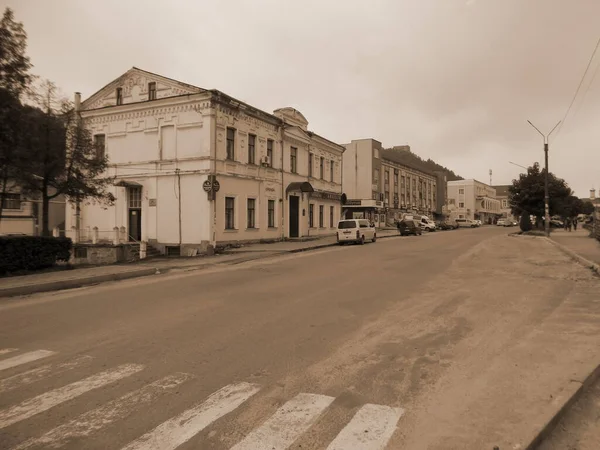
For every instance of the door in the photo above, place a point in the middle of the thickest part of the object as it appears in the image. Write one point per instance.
(294, 206)
(135, 224)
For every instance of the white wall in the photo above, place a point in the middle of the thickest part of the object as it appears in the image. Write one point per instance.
(358, 169)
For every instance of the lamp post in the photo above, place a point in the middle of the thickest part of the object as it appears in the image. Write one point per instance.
(518, 165)
(546, 194)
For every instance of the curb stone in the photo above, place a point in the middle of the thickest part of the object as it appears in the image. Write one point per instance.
(547, 429)
(580, 259)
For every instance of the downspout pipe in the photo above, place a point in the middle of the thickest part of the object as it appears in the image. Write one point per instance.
(283, 199)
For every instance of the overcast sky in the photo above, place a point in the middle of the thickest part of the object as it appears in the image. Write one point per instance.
(455, 79)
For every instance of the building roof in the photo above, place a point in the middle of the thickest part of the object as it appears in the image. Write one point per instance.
(397, 157)
(502, 190)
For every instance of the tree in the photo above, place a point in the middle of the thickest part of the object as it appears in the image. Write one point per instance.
(527, 193)
(14, 81)
(61, 157)
(587, 208)
(525, 222)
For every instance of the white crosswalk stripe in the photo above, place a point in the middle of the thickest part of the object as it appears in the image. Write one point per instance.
(24, 358)
(4, 351)
(45, 401)
(39, 373)
(174, 432)
(98, 418)
(370, 429)
(287, 424)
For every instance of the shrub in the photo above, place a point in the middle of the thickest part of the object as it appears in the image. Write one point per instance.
(19, 253)
(525, 223)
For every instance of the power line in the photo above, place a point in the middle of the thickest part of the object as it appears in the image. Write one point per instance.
(578, 88)
(588, 88)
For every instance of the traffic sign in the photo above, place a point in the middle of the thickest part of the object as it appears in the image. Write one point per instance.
(207, 186)
(216, 186)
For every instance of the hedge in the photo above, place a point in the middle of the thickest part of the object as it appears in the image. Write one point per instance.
(18, 253)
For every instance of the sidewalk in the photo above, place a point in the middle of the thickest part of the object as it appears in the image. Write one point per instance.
(69, 279)
(579, 242)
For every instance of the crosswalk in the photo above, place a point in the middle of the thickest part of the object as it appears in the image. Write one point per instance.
(371, 427)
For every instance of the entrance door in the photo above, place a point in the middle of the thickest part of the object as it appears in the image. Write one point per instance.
(294, 206)
(135, 213)
(135, 224)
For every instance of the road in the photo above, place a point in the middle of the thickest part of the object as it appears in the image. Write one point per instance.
(442, 341)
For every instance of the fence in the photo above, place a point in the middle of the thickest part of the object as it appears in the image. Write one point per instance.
(596, 223)
(93, 235)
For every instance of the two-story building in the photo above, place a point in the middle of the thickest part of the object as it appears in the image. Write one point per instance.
(380, 186)
(502, 196)
(472, 199)
(195, 168)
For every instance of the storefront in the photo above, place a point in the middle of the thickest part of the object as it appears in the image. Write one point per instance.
(372, 210)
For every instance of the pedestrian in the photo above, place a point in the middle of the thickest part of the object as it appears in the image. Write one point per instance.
(575, 224)
(566, 223)
(569, 224)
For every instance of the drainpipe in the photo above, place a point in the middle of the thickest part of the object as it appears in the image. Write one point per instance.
(213, 171)
(77, 109)
(179, 202)
(283, 199)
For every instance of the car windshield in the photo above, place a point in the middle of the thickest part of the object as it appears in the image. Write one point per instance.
(344, 224)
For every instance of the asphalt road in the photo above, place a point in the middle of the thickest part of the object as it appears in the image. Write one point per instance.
(408, 342)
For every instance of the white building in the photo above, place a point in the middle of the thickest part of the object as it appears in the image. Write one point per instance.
(168, 141)
(472, 199)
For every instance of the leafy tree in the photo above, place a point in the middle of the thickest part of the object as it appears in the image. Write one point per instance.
(525, 222)
(527, 193)
(60, 156)
(587, 207)
(14, 81)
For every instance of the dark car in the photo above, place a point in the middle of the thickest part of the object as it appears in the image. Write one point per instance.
(408, 227)
(444, 225)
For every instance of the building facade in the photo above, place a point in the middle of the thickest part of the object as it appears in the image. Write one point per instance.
(195, 168)
(502, 196)
(472, 199)
(22, 214)
(380, 187)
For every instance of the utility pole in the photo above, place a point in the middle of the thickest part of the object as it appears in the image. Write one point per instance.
(546, 194)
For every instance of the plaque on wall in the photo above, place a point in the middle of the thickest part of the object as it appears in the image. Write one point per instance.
(152, 202)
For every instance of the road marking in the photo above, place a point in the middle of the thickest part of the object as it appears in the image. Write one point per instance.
(43, 402)
(370, 429)
(31, 376)
(3, 351)
(92, 421)
(24, 358)
(287, 424)
(174, 432)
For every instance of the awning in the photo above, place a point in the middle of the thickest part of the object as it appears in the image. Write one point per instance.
(301, 186)
(125, 183)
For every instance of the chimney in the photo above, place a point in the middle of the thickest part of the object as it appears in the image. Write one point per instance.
(77, 101)
(592, 194)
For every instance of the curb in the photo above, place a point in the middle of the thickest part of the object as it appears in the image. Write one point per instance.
(580, 259)
(549, 427)
(73, 283)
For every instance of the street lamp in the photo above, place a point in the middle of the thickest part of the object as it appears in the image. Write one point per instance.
(546, 194)
(518, 165)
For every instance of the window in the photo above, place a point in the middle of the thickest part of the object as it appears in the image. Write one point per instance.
(310, 164)
(251, 149)
(293, 160)
(376, 177)
(461, 191)
(231, 143)
(100, 145)
(386, 178)
(135, 197)
(461, 205)
(311, 215)
(396, 183)
(11, 201)
(321, 167)
(321, 216)
(331, 211)
(152, 91)
(271, 214)
(331, 170)
(229, 213)
(251, 223)
(270, 152)
(119, 96)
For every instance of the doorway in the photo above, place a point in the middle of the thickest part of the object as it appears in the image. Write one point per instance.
(294, 206)
(134, 213)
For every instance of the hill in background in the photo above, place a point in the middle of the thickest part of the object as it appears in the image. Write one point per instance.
(404, 155)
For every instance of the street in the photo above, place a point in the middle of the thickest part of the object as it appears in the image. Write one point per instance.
(450, 340)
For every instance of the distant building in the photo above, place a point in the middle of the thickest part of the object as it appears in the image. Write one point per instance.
(22, 214)
(472, 199)
(502, 196)
(381, 187)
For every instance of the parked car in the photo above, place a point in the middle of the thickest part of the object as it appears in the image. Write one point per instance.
(465, 223)
(408, 227)
(504, 223)
(477, 222)
(355, 230)
(442, 225)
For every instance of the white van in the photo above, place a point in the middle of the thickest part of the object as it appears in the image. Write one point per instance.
(355, 230)
(424, 222)
(465, 223)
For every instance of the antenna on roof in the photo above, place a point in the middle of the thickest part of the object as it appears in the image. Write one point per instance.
(490, 177)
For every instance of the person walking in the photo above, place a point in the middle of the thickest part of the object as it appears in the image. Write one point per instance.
(575, 224)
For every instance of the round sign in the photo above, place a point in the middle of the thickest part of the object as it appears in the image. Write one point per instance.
(216, 186)
(207, 186)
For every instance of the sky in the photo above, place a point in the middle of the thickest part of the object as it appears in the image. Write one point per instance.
(457, 80)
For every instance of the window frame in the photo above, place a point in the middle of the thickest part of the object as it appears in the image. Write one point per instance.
(251, 217)
(271, 213)
(322, 168)
(270, 151)
(331, 216)
(230, 140)
(100, 152)
(6, 200)
(230, 213)
(119, 95)
(331, 170)
(321, 216)
(252, 149)
(311, 215)
(294, 159)
(152, 90)
(310, 164)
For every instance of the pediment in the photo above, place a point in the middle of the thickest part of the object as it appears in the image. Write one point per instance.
(292, 116)
(134, 85)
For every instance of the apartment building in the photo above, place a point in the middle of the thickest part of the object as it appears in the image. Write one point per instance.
(472, 199)
(195, 168)
(381, 187)
(502, 197)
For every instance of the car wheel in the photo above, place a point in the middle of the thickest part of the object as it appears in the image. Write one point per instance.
(374, 237)
(362, 240)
